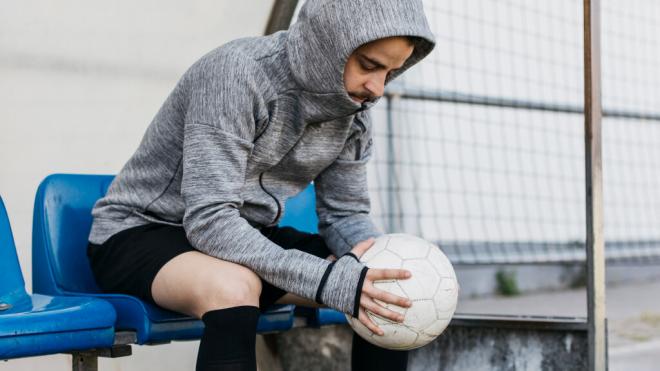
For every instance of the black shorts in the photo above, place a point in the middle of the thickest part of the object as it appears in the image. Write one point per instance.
(128, 262)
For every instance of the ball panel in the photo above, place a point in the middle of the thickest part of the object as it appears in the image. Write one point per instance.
(384, 259)
(379, 245)
(446, 297)
(424, 282)
(436, 328)
(441, 263)
(446, 315)
(421, 315)
(411, 247)
(396, 337)
(424, 339)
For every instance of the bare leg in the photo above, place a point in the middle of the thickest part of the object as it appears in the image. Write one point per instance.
(195, 283)
(225, 296)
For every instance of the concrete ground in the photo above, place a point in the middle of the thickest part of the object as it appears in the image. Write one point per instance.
(633, 312)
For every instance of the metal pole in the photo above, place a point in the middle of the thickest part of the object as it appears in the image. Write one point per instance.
(280, 15)
(594, 188)
(391, 200)
(488, 101)
(84, 361)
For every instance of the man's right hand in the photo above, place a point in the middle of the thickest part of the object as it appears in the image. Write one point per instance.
(370, 293)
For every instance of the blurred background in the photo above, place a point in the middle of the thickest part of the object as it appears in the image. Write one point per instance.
(480, 148)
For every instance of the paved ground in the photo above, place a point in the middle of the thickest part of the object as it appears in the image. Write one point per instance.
(633, 311)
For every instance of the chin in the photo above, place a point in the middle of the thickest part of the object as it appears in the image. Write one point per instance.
(357, 100)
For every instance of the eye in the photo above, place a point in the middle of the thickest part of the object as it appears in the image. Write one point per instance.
(366, 66)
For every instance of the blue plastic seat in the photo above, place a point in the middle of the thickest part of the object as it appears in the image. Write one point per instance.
(300, 211)
(62, 221)
(40, 324)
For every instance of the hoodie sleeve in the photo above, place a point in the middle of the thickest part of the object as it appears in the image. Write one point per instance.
(225, 106)
(342, 197)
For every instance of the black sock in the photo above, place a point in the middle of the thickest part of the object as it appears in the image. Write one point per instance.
(228, 340)
(367, 357)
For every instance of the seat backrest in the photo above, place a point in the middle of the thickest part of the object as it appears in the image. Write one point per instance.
(12, 285)
(62, 221)
(61, 225)
(300, 211)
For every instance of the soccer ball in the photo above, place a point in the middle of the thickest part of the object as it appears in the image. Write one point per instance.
(433, 290)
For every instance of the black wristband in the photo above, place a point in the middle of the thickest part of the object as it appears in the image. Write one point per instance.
(358, 294)
(352, 255)
(319, 291)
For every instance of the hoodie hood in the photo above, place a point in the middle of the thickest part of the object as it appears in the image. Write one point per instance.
(328, 31)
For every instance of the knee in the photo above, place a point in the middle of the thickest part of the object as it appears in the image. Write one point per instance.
(244, 289)
(239, 289)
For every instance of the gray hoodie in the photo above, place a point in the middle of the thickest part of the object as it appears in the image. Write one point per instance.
(251, 124)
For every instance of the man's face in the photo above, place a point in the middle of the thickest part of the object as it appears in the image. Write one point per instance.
(369, 65)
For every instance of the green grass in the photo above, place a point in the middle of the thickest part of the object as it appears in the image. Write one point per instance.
(507, 284)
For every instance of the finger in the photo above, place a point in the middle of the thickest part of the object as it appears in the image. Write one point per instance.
(364, 318)
(384, 296)
(362, 247)
(331, 258)
(373, 292)
(388, 274)
(381, 311)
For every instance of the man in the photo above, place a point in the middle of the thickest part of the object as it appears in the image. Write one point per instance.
(190, 221)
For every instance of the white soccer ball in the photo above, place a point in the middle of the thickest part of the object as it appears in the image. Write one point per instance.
(433, 290)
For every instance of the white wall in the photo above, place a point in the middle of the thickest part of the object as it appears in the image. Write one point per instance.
(79, 83)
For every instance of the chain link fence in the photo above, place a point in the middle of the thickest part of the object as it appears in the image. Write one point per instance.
(480, 148)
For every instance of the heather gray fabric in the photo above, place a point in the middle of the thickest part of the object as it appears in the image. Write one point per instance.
(251, 124)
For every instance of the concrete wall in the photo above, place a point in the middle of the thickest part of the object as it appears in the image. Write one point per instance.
(79, 83)
(475, 346)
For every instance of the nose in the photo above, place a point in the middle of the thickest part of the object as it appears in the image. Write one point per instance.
(376, 84)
